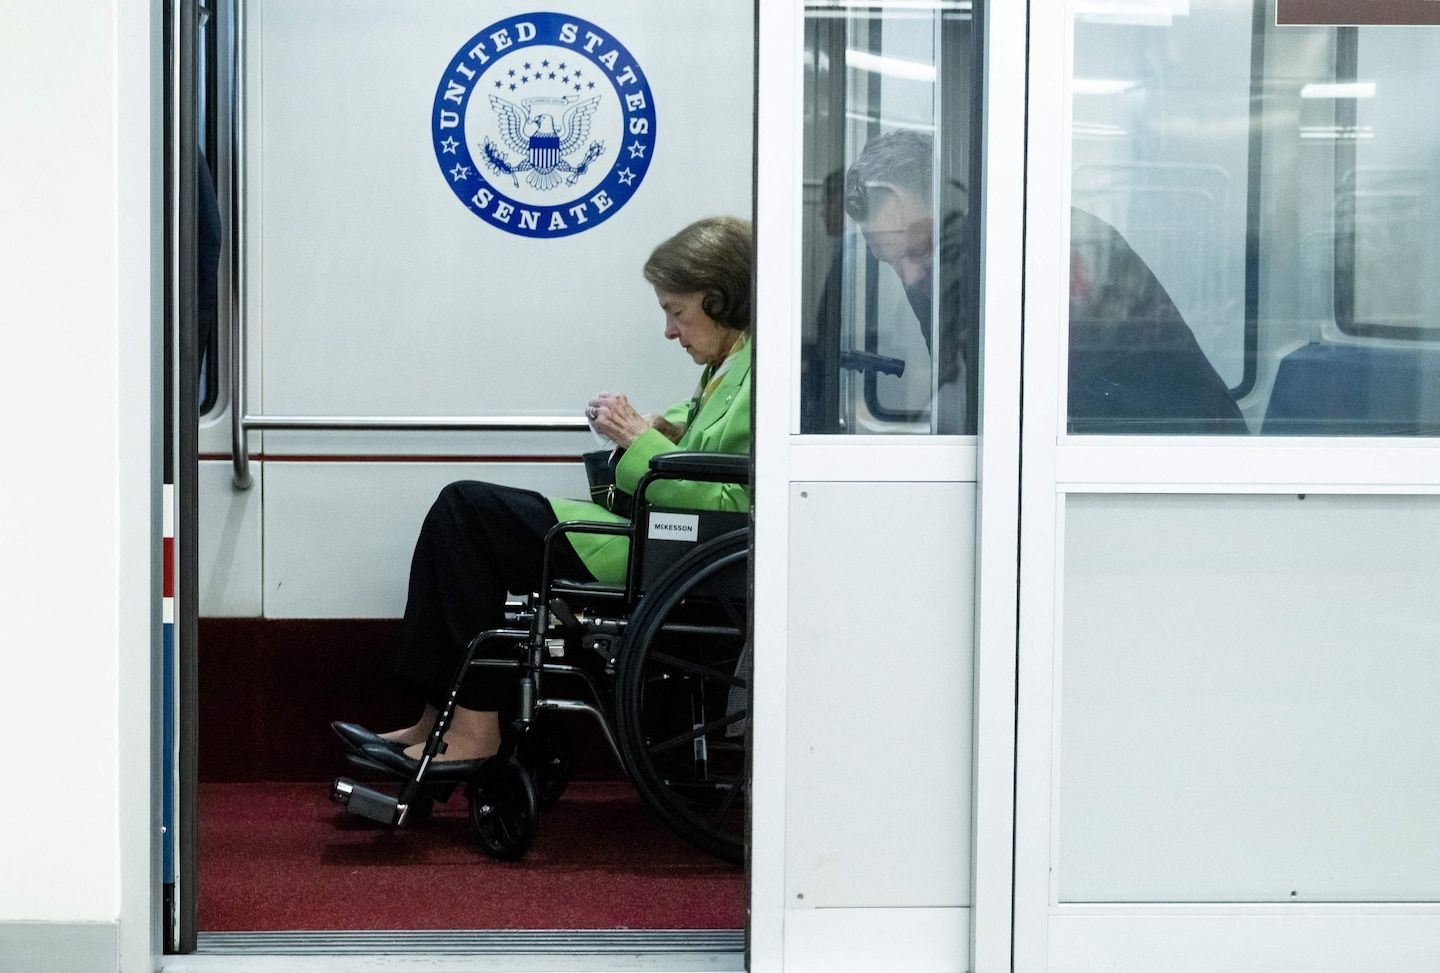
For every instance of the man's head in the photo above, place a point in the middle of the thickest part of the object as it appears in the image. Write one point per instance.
(888, 192)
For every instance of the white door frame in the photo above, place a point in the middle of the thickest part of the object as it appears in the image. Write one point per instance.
(783, 457)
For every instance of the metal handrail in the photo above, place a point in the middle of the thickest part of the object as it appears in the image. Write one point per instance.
(241, 422)
(239, 440)
(419, 423)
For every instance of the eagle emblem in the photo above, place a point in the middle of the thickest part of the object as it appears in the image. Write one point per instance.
(553, 106)
(530, 130)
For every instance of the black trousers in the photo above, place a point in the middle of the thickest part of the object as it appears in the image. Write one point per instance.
(478, 541)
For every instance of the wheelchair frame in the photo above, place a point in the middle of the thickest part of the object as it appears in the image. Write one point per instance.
(530, 770)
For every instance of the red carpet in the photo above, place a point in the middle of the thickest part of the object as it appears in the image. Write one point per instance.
(281, 856)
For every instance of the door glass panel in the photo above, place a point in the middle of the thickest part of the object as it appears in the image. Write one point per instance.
(1386, 189)
(1254, 225)
(889, 323)
(1158, 219)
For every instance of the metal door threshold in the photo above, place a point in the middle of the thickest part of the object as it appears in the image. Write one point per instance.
(466, 950)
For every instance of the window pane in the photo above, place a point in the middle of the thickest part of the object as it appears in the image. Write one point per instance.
(1386, 189)
(1158, 224)
(1255, 240)
(890, 343)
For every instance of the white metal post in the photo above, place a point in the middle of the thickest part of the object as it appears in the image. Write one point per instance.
(1046, 291)
(998, 485)
(778, 127)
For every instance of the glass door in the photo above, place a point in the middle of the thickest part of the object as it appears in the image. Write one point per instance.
(1226, 748)
(886, 461)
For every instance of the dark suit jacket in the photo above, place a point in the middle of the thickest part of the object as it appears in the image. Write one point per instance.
(1135, 366)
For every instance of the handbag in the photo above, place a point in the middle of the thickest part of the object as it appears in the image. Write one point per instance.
(600, 471)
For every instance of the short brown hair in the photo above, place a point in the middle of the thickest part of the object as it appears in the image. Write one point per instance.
(714, 256)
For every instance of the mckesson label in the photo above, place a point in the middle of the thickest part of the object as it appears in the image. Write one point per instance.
(674, 527)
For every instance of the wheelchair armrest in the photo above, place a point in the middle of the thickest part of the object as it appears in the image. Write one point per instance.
(555, 534)
(706, 467)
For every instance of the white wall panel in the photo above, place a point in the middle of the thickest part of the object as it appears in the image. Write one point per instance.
(881, 635)
(229, 539)
(338, 536)
(378, 292)
(868, 940)
(61, 312)
(1264, 942)
(1248, 699)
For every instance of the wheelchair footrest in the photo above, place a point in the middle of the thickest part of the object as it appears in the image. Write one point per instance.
(367, 802)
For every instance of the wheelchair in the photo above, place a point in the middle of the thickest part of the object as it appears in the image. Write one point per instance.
(661, 662)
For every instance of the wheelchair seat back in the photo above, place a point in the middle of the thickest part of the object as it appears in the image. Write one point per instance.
(669, 535)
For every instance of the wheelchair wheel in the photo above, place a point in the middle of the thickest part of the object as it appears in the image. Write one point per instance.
(503, 809)
(682, 696)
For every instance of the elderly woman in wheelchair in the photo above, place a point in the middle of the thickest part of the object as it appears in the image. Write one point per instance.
(638, 604)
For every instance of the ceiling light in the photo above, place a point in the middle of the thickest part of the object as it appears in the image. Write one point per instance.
(1339, 89)
(894, 67)
(1101, 86)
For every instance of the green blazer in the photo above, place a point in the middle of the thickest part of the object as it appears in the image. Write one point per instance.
(722, 426)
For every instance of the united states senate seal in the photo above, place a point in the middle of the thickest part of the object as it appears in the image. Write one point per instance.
(543, 125)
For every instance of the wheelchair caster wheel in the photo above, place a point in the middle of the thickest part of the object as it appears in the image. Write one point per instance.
(503, 809)
(547, 754)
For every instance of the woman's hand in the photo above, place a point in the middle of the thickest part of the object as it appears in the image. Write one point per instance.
(670, 430)
(613, 417)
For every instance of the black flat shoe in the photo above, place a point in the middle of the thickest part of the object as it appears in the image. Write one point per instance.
(355, 737)
(360, 762)
(439, 772)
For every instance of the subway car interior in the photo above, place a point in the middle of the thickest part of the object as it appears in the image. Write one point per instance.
(1070, 611)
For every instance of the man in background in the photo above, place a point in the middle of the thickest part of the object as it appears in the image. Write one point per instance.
(1134, 366)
